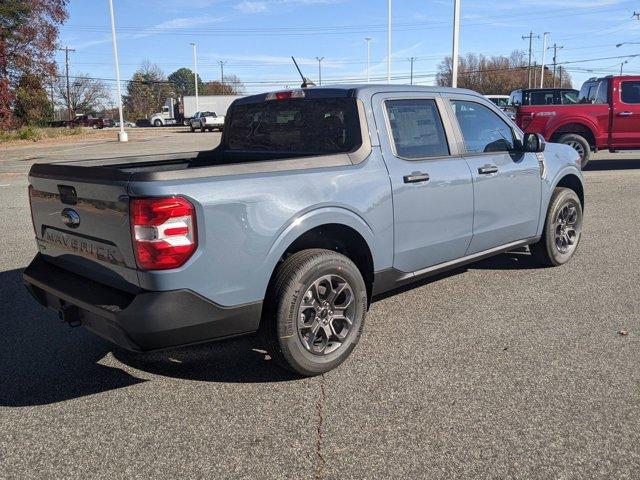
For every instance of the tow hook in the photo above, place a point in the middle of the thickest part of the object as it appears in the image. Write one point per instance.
(69, 314)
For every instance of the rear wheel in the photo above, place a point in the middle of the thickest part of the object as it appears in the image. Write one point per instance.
(562, 229)
(314, 311)
(579, 144)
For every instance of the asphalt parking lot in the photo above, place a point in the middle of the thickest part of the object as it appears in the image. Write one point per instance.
(497, 370)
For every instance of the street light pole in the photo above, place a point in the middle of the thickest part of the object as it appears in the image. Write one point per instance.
(455, 45)
(122, 135)
(319, 59)
(195, 74)
(368, 40)
(544, 51)
(389, 43)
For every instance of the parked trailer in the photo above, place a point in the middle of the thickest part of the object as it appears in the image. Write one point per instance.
(208, 103)
(174, 113)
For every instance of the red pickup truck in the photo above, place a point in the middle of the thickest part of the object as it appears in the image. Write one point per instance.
(607, 116)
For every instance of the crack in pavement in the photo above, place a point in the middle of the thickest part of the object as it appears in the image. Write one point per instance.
(320, 406)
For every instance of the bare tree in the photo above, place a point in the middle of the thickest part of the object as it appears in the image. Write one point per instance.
(492, 75)
(86, 94)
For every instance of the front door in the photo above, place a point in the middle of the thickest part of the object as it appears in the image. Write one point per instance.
(507, 186)
(626, 117)
(432, 189)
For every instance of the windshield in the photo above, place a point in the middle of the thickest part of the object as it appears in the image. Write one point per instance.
(301, 126)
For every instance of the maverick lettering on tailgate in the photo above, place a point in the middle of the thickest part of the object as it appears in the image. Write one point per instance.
(83, 246)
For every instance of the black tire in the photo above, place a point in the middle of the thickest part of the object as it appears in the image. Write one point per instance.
(547, 251)
(203, 129)
(579, 144)
(192, 129)
(290, 285)
(157, 123)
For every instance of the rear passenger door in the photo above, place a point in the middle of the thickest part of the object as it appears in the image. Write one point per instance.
(431, 186)
(507, 185)
(626, 116)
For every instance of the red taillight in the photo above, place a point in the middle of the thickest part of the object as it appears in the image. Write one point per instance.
(163, 231)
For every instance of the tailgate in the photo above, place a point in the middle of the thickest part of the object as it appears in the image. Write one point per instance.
(82, 225)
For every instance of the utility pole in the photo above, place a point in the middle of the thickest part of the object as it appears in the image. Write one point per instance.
(195, 75)
(412, 59)
(222, 64)
(555, 47)
(389, 43)
(560, 69)
(622, 65)
(531, 36)
(544, 51)
(368, 40)
(319, 59)
(455, 43)
(535, 73)
(66, 51)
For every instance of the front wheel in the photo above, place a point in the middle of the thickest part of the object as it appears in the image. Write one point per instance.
(314, 311)
(157, 123)
(562, 229)
(579, 144)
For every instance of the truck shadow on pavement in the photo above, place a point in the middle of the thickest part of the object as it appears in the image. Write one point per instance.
(45, 361)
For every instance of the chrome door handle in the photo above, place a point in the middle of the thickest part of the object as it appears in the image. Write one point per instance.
(487, 169)
(625, 114)
(416, 177)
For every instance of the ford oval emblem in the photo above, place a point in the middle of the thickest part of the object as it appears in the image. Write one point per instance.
(70, 218)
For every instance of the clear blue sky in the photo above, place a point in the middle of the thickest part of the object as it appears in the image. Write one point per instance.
(257, 37)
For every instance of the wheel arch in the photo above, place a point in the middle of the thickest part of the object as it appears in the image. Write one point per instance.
(335, 229)
(578, 128)
(573, 182)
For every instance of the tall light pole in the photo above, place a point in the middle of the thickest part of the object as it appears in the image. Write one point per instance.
(122, 135)
(368, 40)
(389, 43)
(544, 51)
(412, 59)
(319, 59)
(195, 74)
(455, 45)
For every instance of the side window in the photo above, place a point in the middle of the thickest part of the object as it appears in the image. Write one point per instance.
(630, 92)
(602, 95)
(417, 129)
(569, 97)
(482, 129)
(541, 97)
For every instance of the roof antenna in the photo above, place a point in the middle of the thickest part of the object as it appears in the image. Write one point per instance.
(305, 81)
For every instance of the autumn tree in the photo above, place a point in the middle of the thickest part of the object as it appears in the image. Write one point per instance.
(86, 94)
(232, 86)
(183, 82)
(147, 91)
(32, 105)
(28, 34)
(496, 74)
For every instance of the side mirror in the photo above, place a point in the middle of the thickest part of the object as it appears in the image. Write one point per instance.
(533, 142)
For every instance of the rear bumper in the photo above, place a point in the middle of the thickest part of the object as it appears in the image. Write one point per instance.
(140, 322)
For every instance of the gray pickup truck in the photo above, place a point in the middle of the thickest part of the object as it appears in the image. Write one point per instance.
(315, 201)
